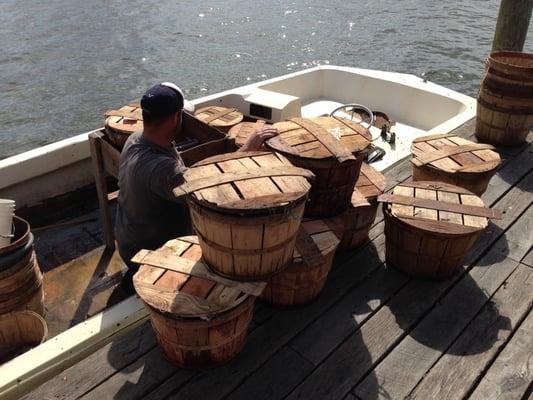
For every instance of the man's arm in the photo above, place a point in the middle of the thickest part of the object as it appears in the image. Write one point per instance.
(256, 139)
(164, 177)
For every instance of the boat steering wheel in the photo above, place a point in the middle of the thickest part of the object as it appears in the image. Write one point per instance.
(355, 112)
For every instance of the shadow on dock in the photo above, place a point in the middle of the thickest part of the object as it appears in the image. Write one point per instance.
(500, 251)
(440, 328)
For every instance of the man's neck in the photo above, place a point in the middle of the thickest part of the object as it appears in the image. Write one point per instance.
(158, 139)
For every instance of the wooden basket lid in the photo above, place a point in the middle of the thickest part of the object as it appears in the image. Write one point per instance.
(242, 131)
(451, 153)
(127, 119)
(371, 182)
(318, 138)
(219, 116)
(173, 279)
(438, 207)
(315, 240)
(244, 182)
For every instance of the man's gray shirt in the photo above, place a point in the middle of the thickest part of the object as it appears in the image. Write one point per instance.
(148, 214)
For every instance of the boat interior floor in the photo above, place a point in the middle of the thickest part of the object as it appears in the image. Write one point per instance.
(81, 277)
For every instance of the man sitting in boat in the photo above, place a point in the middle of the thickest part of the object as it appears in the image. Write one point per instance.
(148, 214)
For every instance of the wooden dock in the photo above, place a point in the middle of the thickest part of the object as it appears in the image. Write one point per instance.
(373, 333)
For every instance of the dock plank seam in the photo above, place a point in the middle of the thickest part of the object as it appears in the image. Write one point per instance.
(498, 352)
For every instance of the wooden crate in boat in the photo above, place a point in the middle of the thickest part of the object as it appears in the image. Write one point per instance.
(200, 319)
(430, 227)
(106, 159)
(452, 159)
(222, 118)
(21, 280)
(353, 225)
(309, 145)
(304, 278)
(208, 149)
(121, 123)
(246, 208)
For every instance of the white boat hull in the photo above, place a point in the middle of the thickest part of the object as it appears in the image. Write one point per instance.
(418, 106)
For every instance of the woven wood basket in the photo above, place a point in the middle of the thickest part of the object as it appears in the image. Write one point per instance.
(304, 278)
(21, 280)
(121, 123)
(353, 225)
(451, 159)
(222, 118)
(246, 208)
(242, 131)
(505, 100)
(200, 319)
(430, 227)
(19, 332)
(307, 144)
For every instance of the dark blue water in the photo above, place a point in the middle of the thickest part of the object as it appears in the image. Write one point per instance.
(64, 62)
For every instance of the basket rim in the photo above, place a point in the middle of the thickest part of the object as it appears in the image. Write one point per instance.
(31, 314)
(493, 58)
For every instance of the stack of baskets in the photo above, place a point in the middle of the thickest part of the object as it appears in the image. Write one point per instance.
(432, 223)
(335, 162)
(21, 294)
(505, 100)
(21, 280)
(246, 208)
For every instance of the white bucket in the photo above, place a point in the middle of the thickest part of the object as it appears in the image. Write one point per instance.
(7, 209)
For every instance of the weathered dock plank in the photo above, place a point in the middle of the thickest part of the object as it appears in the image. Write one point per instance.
(98, 367)
(456, 371)
(528, 259)
(511, 374)
(341, 320)
(406, 364)
(267, 384)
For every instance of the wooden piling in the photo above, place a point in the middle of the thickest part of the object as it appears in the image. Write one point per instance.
(512, 25)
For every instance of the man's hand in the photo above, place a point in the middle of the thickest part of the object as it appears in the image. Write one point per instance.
(256, 139)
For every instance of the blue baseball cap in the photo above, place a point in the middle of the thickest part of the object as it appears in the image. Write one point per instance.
(162, 100)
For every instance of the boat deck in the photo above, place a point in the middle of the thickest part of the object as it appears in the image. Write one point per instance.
(373, 333)
(81, 277)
